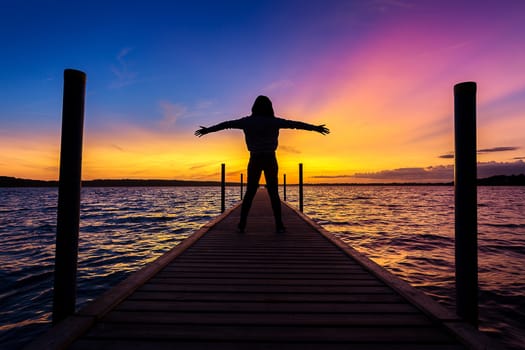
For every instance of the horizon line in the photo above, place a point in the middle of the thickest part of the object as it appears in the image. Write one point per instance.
(9, 181)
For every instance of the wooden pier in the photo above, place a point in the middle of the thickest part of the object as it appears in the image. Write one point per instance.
(303, 289)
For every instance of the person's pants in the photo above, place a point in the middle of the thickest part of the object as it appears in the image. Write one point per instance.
(258, 163)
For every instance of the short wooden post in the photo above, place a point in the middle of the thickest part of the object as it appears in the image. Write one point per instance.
(465, 184)
(223, 187)
(68, 212)
(284, 187)
(301, 187)
(241, 185)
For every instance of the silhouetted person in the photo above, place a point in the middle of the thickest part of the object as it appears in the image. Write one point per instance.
(261, 131)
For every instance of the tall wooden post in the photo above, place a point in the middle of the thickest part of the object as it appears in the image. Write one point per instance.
(465, 181)
(301, 187)
(68, 212)
(241, 185)
(284, 187)
(223, 187)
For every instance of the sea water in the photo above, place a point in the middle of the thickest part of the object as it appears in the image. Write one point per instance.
(407, 229)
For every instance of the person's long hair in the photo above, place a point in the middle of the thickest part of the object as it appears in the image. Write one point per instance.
(263, 107)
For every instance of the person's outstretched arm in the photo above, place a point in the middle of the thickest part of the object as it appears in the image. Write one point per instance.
(292, 124)
(229, 124)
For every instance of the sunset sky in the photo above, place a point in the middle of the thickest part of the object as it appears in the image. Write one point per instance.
(378, 73)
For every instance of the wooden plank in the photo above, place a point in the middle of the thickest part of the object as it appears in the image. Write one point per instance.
(350, 270)
(259, 268)
(264, 261)
(268, 266)
(268, 319)
(137, 344)
(382, 335)
(250, 306)
(267, 297)
(280, 256)
(287, 289)
(263, 275)
(264, 281)
(289, 251)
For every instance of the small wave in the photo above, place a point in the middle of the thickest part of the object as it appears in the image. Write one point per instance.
(33, 278)
(336, 223)
(502, 247)
(198, 218)
(357, 198)
(435, 238)
(505, 225)
(139, 219)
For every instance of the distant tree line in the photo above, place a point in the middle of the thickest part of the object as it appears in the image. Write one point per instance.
(7, 181)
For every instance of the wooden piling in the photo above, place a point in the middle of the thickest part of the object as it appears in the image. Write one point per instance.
(301, 202)
(465, 177)
(223, 187)
(241, 185)
(284, 187)
(68, 213)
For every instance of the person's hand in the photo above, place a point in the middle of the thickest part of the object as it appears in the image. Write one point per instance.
(202, 131)
(322, 129)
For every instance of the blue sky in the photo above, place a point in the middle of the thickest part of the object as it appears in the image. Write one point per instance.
(379, 73)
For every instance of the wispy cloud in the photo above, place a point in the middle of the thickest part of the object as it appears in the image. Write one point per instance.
(431, 130)
(171, 113)
(185, 115)
(485, 150)
(447, 156)
(121, 70)
(117, 147)
(385, 5)
(332, 176)
(278, 85)
(498, 149)
(289, 149)
(236, 172)
(201, 166)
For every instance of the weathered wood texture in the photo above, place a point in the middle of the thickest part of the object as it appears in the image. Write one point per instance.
(263, 290)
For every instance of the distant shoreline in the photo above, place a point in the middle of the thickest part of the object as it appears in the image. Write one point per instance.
(7, 181)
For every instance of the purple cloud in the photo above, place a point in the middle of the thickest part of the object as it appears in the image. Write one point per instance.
(485, 150)
(447, 156)
(442, 173)
(505, 168)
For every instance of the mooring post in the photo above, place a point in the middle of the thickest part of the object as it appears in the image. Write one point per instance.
(301, 187)
(465, 185)
(241, 185)
(284, 187)
(223, 187)
(68, 211)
